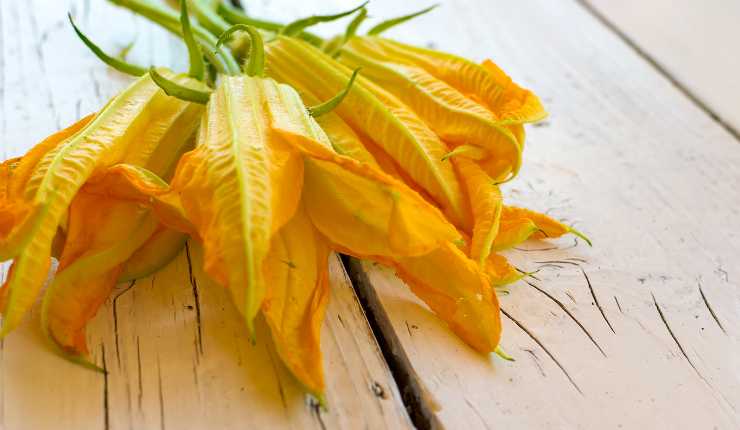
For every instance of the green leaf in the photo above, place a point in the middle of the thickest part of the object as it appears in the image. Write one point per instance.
(352, 27)
(197, 66)
(167, 18)
(329, 105)
(235, 16)
(120, 65)
(179, 91)
(256, 64)
(385, 25)
(296, 27)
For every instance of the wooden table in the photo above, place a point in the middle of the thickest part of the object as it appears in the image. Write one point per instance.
(641, 331)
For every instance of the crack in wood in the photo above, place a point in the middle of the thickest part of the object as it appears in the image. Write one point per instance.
(536, 361)
(115, 321)
(675, 339)
(106, 404)
(477, 414)
(678, 85)
(420, 412)
(138, 372)
(544, 348)
(619, 306)
(596, 300)
(161, 395)
(316, 411)
(709, 307)
(577, 264)
(194, 288)
(575, 320)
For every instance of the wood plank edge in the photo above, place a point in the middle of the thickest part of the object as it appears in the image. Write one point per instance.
(419, 407)
(659, 68)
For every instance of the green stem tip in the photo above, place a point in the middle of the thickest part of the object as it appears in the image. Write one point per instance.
(256, 64)
(352, 27)
(329, 105)
(387, 24)
(235, 16)
(118, 64)
(197, 66)
(179, 91)
(581, 235)
(501, 353)
(296, 27)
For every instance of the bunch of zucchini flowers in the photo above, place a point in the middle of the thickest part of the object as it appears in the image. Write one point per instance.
(272, 152)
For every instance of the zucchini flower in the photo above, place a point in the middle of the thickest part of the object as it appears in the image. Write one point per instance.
(99, 241)
(268, 196)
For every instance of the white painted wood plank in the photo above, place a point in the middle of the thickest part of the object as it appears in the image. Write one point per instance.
(694, 41)
(175, 359)
(653, 180)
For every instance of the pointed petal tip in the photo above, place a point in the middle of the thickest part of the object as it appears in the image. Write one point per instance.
(580, 235)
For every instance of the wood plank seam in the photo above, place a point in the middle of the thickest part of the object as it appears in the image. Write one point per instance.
(660, 69)
(412, 394)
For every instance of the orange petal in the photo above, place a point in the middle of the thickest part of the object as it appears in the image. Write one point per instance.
(455, 289)
(364, 210)
(102, 235)
(486, 203)
(296, 271)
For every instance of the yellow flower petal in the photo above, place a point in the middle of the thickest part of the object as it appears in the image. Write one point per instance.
(102, 235)
(365, 211)
(377, 114)
(296, 271)
(455, 118)
(240, 185)
(455, 289)
(486, 203)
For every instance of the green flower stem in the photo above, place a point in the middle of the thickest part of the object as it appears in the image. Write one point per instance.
(197, 66)
(118, 64)
(256, 64)
(222, 59)
(385, 25)
(296, 27)
(236, 16)
(332, 103)
(179, 91)
(207, 17)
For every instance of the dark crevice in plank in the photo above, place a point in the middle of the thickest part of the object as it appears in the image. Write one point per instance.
(570, 314)
(596, 300)
(544, 348)
(196, 298)
(115, 321)
(711, 311)
(477, 414)
(413, 397)
(696, 100)
(316, 411)
(619, 306)
(536, 360)
(138, 372)
(106, 402)
(161, 395)
(576, 262)
(685, 355)
(675, 339)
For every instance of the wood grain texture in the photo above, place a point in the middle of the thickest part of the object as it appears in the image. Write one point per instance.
(639, 331)
(175, 348)
(693, 42)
